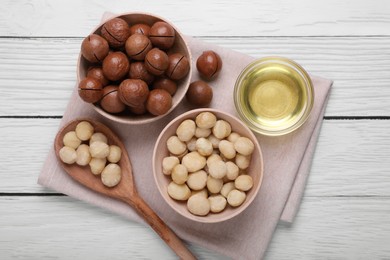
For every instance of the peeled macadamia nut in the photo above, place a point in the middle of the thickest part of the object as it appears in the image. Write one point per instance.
(227, 149)
(202, 192)
(99, 149)
(83, 155)
(226, 188)
(194, 161)
(71, 140)
(236, 197)
(204, 146)
(233, 137)
(178, 191)
(98, 137)
(169, 163)
(175, 146)
(206, 120)
(115, 154)
(214, 185)
(232, 171)
(84, 130)
(186, 130)
(198, 205)
(242, 161)
(243, 182)
(222, 129)
(217, 169)
(68, 155)
(202, 132)
(97, 165)
(214, 141)
(217, 203)
(191, 144)
(111, 175)
(244, 146)
(197, 180)
(179, 174)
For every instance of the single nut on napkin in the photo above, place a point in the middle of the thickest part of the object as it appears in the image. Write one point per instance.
(199, 93)
(209, 64)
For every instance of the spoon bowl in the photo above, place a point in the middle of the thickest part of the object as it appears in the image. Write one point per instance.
(125, 190)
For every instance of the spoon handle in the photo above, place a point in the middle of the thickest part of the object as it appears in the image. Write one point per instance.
(172, 240)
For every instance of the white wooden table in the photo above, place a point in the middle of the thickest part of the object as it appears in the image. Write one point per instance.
(346, 206)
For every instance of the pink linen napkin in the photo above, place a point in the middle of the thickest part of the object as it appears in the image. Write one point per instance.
(287, 162)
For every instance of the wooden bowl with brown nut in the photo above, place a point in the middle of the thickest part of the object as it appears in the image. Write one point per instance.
(134, 68)
(207, 165)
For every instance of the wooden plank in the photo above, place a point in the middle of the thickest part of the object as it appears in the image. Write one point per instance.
(245, 18)
(63, 228)
(43, 71)
(349, 159)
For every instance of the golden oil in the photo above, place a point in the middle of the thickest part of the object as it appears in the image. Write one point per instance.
(273, 96)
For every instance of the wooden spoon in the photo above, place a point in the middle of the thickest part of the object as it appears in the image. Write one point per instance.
(125, 190)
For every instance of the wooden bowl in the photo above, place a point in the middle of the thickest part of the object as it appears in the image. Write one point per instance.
(255, 169)
(180, 46)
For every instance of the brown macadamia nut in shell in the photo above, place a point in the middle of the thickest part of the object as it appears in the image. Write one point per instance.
(137, 46)
(97, 73)
(199, 93)
(110, 101)
(133, 92)
(116, 66)
(166, 84)
(139, 71)
(156, 61)
(116, 31)
(162, 35)
(159, 102)
(178, 67)
(209, 64)
(140, 28)
(94, 48)
(90, 90)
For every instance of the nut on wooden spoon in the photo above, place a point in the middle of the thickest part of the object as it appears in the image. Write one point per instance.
(125, 190)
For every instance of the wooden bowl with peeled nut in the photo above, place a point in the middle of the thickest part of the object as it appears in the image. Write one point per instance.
(134, 68)
(207, 165)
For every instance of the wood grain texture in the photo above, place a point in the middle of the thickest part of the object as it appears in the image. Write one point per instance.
(46, 70)
(270, 18)
(346, 205)
(326, 228)
(351, 158)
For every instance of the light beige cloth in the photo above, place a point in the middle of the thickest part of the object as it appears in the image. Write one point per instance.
(286, 167)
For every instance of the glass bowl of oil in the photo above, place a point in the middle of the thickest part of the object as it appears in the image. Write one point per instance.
(273, 96)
